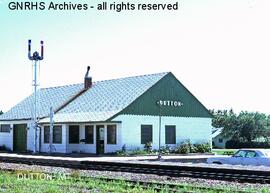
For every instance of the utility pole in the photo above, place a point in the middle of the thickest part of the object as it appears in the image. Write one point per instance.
(35, 58)
(51, 130)
(159, 140)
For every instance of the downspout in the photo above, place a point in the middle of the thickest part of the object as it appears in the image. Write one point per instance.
(39, 141)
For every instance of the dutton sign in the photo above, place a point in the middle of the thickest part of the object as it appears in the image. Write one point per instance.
(170, 103)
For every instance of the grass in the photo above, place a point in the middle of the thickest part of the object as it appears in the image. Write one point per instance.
(224, 151)
(39, 183)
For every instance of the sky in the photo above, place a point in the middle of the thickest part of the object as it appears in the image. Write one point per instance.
(219, 49)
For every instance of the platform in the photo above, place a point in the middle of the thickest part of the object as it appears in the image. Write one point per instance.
(191, 161)
(106, 158)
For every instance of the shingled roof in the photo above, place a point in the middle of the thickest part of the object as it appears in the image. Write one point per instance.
(99, 103)
(46, 98)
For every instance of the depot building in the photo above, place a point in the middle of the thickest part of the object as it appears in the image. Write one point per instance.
(105, 116)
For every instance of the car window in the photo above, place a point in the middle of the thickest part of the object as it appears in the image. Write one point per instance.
(251, 154)
(240, 153)
(267, 153)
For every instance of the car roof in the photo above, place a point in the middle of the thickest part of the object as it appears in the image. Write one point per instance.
(263, 151)
(255, 149)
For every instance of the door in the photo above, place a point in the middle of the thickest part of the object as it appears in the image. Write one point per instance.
(251, 158)
(20, 138)
(237, 158)
(100, 133)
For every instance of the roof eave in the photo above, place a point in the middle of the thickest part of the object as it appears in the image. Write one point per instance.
(82, 122)
(26, 119)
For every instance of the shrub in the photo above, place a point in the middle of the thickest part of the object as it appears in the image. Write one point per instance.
(121, 153)
(187, 147)
(148, 147)
(166, 149)
(203, 147)
(183, 148)
(124, 149)
(138, 152)
(4, 148)
(233, 144)
(193, 148)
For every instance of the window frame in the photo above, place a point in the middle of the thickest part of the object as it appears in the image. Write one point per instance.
(255, 154)
(86, 127)
(2, 130)
(61, 134)
(220, 140)
(114, 141)
(70, 139)
(53, 137)
(238, 153)
(47, 135)
(167, 141)
(143, 141)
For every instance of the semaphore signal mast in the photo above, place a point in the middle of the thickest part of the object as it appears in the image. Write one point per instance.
(35, 58)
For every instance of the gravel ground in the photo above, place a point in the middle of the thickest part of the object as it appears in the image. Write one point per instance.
(132, 176)
(180, 162)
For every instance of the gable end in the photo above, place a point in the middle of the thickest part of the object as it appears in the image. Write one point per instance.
(167, 89)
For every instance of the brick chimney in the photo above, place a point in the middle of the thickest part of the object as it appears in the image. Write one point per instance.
(87, 79)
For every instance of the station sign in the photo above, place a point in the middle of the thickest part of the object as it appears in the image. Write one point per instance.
(170, 103)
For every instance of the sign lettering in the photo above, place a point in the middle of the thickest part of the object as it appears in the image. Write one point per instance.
(170, 103)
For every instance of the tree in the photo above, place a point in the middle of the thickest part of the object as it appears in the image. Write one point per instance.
(220, 117)
(226, 120)
(1, 112)
(266, 130)
(251, 125)
(244, 127)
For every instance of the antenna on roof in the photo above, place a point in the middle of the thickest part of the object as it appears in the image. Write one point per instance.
(35, 58)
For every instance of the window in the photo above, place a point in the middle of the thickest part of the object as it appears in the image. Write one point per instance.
(170, 134)
(46, 134)
(220, 140)
(251, 154)
(74, 134)
(4, 128)
(111, 134)
(57, 134)
(89, 134)
(146, 134)
(240, 153)
(267, 153)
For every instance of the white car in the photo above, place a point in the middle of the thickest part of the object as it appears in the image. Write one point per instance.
(254, 157)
